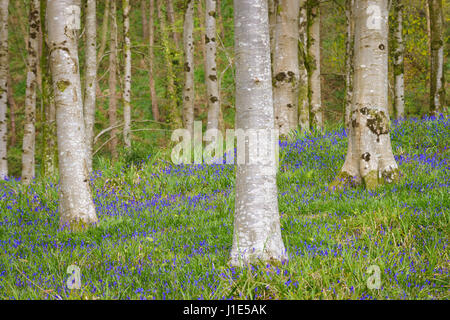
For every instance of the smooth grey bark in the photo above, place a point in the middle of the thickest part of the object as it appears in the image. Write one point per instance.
(212, 85)
(3, 87)
(127, 75)
(286, 73)
(303, 102)
(76, 206)
(398, 54)
(437, 75)
(369, 154)
(349, 54)
(188, 91)
(313, 63)
(29, 129)
(112, 81)
(90, 78)
(257, 232)
(151, 33)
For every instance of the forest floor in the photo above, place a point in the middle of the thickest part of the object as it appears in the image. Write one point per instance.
(165, 231)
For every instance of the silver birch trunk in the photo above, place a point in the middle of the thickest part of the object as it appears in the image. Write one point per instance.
(3, 87)
(29, 129)
(313, 61)
(151, 36)
(369, 154)
(303, 103)
(127, 76)
(112, 81)
(285, 66)
(398, 52)
(212, 85)
(257, 232)
(437, 76)
(349, 54)
(188, 91)
(76, 206)
(90, 78)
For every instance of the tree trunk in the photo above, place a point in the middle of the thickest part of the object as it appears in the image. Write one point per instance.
(437, 77)
(171, 19)
(369, 154)
(285, 66)
(76, 206)
(12, 111)
(103, 38)
(188, 92)
(104, 34)
(349, 53)
(29, 130)
(303, 103)
(127, 76)
(273, 4)
(49, 152)
(398, 53)
(201, 20)
(90, 78)
(144, 20)
(313, 63)
(212, 86)
(112, 81)
(153, 96)
(174, 117)
(3, 87)
(257, 232)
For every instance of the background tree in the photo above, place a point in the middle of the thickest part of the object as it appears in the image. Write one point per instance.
(3, 87)
(173, 112)
(188, 92)
(437, 75)
(153, 96)
(49, 150)
(90, 78)
(369, 153)
(212, 85)
(29, 131)
(303, 102)
(313, 64)
(76, 207)
(398, 55)
(349, 66)
(285, 66)
(112, 81)
(127, 75)
(257, 232)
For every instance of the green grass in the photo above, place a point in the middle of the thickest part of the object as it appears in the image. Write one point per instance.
(165, 232)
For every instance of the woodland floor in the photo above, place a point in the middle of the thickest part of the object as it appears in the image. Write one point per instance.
(165, 231)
